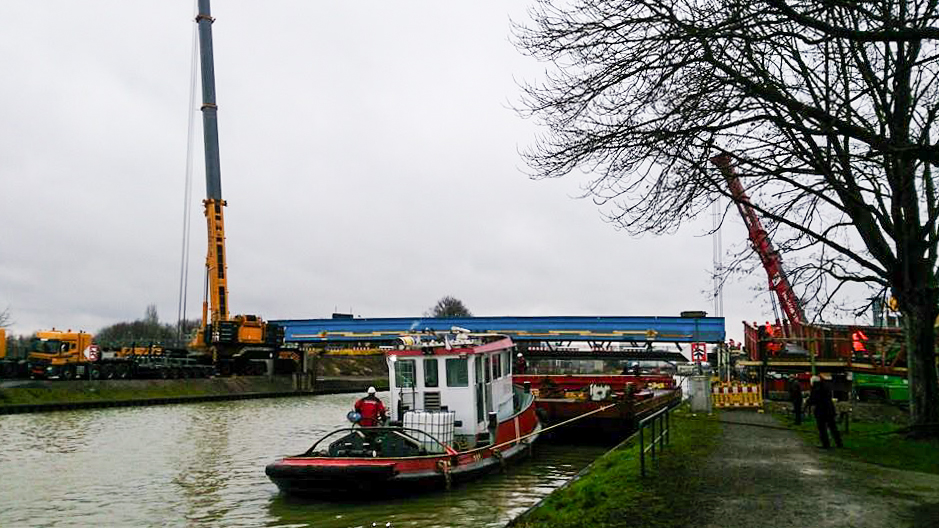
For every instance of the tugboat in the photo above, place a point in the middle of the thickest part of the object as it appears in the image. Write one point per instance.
(455, 414)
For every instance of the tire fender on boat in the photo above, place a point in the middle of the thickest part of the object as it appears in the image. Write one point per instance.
(443, 466)
(497, 454)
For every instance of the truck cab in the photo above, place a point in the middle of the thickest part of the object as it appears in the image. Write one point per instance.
(55, 354)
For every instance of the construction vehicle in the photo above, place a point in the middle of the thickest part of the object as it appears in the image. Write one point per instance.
(68, 355)
(12, 364)
(881, 387)
(238, 344)
(875, 365)
(8, 366)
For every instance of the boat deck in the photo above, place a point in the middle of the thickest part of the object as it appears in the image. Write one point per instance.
(585, 402)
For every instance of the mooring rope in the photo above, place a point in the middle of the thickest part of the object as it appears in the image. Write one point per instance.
(543, 430)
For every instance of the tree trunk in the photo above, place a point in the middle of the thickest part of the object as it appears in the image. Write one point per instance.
(921, 360)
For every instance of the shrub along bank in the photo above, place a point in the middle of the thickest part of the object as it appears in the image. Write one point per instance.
(612, 493)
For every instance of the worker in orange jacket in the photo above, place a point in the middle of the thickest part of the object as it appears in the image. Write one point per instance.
(858, 339)
(772, 346)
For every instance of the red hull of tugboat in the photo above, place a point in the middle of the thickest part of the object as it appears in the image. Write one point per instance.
(330, 476)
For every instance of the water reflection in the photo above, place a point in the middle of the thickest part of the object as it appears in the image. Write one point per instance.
(490, 501)
(203, 464)
(57, 433)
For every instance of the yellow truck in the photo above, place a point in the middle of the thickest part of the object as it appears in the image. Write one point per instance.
(11, 364)
(54, 354)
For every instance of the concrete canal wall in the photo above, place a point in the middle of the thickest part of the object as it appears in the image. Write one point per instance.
(42, 396)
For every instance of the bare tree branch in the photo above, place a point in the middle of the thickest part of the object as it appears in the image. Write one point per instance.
(829, 107)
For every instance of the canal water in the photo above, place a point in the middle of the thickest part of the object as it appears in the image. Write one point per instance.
(203, 464)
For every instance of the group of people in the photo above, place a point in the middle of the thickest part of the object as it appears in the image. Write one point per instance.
(821, 402)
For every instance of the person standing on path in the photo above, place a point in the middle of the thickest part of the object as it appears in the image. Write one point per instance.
(795, 396)
(820, 399)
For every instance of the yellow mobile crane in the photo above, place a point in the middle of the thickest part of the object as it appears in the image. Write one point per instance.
(236, 343)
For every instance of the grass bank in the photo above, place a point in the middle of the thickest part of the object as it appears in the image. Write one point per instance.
(80, 392)
(612, 493)
(47, 392)
(876, 435)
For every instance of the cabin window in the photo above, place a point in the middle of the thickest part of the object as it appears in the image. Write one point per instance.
(507, 363)
(488, 377)
(430, 372)
(497, 366)
(457, 372)
(404, 373)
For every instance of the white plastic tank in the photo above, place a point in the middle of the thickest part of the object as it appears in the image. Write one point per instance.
(438, 424)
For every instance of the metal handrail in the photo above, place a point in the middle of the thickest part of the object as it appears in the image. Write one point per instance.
(662, 418)
(403, 430)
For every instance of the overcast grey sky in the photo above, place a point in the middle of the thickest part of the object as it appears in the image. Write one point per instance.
(369, 159)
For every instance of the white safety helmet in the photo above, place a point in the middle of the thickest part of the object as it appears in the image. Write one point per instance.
(519, 354)
(371, 390)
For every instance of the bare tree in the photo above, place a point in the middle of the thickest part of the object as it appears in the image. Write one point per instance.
(144, 331)
(449, 306)
(828, 107)
(5, 318)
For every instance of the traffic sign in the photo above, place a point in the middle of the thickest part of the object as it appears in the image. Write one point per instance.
(699, 352)
(91, 353)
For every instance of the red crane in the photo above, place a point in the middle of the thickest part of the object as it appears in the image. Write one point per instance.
(772, 263)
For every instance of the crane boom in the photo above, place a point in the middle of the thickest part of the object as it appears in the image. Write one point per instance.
(216, 268)
(759, 239)
(236, 339)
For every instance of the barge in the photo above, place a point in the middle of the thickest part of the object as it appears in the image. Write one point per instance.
(565, 397)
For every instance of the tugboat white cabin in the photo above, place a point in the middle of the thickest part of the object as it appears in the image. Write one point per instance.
(460, 379)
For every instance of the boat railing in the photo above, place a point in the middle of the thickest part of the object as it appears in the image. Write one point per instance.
(405, 431)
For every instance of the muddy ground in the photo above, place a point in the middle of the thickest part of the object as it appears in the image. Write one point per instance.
(860, 411)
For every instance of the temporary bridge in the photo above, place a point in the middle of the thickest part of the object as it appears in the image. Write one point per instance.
(608, 337)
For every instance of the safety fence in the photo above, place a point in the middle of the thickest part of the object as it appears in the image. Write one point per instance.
(737, 395)
(659, 424)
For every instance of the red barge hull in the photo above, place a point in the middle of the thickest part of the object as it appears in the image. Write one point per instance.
(563, 397)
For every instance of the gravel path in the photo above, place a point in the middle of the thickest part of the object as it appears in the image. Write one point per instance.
(765, 475)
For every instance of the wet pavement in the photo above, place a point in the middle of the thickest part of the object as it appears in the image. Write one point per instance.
(762, 474)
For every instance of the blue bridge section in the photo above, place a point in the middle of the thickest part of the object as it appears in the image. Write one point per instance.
(593, 329)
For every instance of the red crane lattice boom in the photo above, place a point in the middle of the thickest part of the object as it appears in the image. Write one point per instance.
(759, 239)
